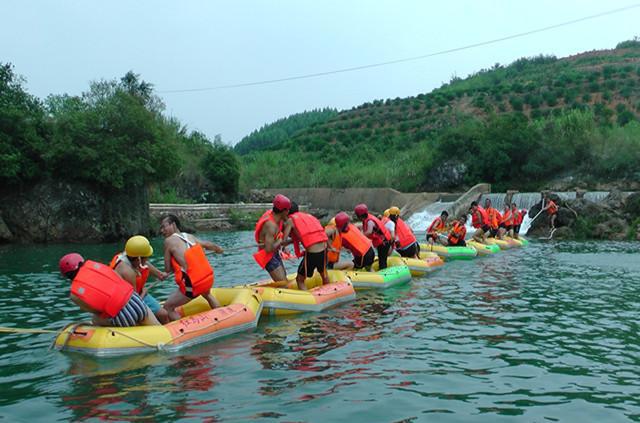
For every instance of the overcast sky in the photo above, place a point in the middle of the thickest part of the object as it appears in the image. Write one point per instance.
(60, 46)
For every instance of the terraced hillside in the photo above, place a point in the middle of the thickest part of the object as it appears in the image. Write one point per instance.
(583, 102)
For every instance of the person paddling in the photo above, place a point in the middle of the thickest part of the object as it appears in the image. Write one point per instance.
(98, 289)
(305, 229)
(133, 267)
(184, 254)
(405, 240)
(552, 211)
(373, 229)
(268, 236)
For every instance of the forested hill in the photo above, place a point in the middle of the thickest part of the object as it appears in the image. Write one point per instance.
(274, 134)
(401, 141)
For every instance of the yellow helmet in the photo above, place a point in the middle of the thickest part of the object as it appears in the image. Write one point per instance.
(394, 211)
(386, 213)
(138, 246)
(332, 222)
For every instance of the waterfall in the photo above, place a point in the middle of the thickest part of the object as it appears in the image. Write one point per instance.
(421, 220)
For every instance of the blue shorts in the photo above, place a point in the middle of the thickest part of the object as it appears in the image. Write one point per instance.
(274, 263)
(152, 303)
(131, 314)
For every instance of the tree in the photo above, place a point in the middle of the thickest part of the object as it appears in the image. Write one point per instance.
(222, 169)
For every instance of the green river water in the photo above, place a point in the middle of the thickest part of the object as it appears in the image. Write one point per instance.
(544, 333)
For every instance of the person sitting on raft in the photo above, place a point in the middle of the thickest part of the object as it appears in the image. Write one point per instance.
(373, 229)
(494, 219)
(458, 232)
(133, 267)
(518, 217)
(184, 254)
(480, 221)
(334, 241)
(305, 229)
(98, 289)
(353, 240)
(405, 241)
(552, 210)
(268, 236)
(437, 227)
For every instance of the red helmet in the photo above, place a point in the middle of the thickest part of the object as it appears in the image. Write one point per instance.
(281, 202)
(361, 209)
(70, 263)
(342, 220)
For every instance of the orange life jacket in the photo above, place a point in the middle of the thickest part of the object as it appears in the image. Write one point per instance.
(262, 257)
(518, 216)
(494, 217)
(199, 274)
(553, 209)
(380, 234)
(101, 288)
(308, 231)
(507, 218)
(355, 241)
(142, 274)
(479, 218)
(404, 234)
(457, 233)
(336, 244)
(436, 226)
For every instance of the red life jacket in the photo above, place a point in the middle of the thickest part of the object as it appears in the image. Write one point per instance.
(507, 218)
(436, 226)
(380, 234)
(457, 233)
(309, 231)
(336, 244)
(521, 216)
(262, 257)
(355, 241)
(404, 234)
(142, 274)
(479, 218)
(553, 209)
(101, 288)
(200, 277)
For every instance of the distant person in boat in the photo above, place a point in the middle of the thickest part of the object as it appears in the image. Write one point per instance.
(268, 235)
(98, 289)
(406, 243)
(354, 240)
(334, 243)
(133, 267)
(184, 254)
(518, 217)
(305, 229)
(373, 229)
(480, 221)
(494, 219)
(437, 227)
(458, 232)
(552, 210)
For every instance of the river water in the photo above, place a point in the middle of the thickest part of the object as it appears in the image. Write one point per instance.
(546, 333)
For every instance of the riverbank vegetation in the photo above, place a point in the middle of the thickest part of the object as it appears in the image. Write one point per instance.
(515, 126)
(114, 137)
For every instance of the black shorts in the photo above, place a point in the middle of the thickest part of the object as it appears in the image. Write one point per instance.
(485, 228)
(460, 243)
(432, 236)
(366, 261)
(313, 261)
(516, 229)
(508, 227)
(410, 251)
(502, 225)
(493, 232)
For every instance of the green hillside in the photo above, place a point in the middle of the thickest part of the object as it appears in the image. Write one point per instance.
(519, 125)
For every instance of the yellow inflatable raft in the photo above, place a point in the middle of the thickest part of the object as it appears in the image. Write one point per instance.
(285, 300)
(240, 311)
(502, 243)
(416, 266)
